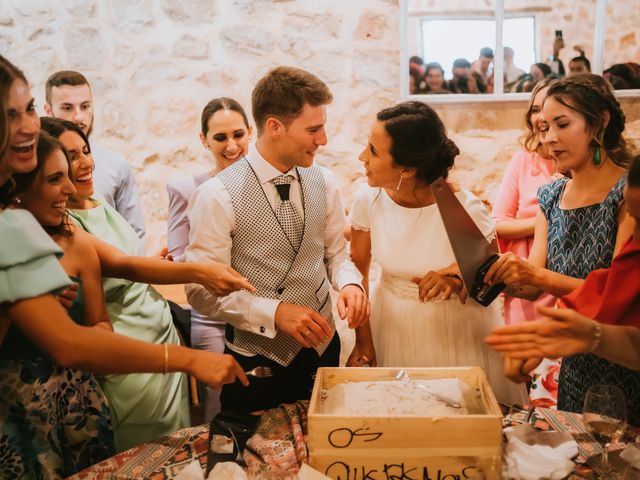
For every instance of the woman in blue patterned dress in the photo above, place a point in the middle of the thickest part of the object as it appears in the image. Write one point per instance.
(580, 225)
(64, 407)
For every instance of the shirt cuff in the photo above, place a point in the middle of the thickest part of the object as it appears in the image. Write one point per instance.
(262, 316)
(349, 276)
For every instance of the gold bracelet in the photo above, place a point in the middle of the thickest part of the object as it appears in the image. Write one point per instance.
(597, 335)
(166, 359)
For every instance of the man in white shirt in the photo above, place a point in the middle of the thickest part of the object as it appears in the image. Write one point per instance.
(279, 220)
(68, 97)
(511, 72)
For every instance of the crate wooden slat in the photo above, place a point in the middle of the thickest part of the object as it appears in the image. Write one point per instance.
(421, 447)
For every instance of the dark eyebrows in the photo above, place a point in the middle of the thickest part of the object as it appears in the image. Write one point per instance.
(30, 104)
(53, 175)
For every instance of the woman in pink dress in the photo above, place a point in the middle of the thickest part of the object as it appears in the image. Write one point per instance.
(515, 206)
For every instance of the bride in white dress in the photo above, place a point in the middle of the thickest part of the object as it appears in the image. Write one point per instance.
(417, 318)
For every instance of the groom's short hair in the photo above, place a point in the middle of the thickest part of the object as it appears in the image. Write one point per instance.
(283, 92)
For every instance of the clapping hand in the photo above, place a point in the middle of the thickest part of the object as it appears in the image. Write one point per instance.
(565, 332)
(518, 370)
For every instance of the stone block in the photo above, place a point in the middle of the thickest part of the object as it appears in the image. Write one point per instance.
(189, 46)
(372, 26)
(80, 8)
(156, 73)
(131, 16)
(84, 48)
(116, 121)
(254, 41)
(172, 115)
(189, 11)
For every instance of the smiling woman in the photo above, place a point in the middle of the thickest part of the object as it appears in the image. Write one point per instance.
(580, 225)
(24, 125)
(45, 191)
(225, 133)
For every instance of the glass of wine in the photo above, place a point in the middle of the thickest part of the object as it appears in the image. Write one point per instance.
(605, 416)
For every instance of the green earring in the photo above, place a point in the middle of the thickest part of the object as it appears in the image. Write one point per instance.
(597, 159)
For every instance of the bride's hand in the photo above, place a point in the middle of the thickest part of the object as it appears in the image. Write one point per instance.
(363, 355)
(437, 286)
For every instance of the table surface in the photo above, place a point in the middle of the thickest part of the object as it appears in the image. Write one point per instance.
(278, 448)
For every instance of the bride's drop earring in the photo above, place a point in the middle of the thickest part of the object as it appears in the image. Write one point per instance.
(399, 183)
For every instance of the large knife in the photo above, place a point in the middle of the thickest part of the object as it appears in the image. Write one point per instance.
(470, 247)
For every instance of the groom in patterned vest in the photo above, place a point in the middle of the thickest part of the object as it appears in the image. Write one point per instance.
(278, 220)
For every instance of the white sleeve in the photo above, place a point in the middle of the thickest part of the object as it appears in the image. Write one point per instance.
(360, 213)
(480, 215)
(212, 222)
(340, 269)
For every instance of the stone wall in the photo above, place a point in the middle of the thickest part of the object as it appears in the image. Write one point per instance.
(153, 65)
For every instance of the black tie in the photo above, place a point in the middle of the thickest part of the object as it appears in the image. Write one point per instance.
(286, 212)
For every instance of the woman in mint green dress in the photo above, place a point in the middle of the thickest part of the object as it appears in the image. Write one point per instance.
(143, 406)
(30, 272)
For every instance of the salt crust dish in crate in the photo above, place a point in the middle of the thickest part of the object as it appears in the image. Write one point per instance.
(434, 442)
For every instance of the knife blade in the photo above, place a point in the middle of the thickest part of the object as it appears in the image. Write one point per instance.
(473, 253)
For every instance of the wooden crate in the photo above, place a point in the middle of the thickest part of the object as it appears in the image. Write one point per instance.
(405, 447)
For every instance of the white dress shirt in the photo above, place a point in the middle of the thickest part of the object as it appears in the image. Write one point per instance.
(113, 180)
(212, 221)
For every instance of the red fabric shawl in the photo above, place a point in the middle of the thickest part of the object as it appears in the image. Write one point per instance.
(611, 295)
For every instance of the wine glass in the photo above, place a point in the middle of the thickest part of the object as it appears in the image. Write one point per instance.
(605, 416)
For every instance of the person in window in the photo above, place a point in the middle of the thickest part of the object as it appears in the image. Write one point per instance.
(539, 71)
(511, 72)
(482, 64)
(464, 79)
(434, 79)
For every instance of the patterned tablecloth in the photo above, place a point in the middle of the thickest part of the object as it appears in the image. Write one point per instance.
(277, 449)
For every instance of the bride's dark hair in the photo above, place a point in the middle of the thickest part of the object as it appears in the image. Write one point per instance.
(419, 140)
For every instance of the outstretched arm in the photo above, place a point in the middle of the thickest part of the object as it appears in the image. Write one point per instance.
(529, 278)
(101, 351)
(566, 332)
(218, 278)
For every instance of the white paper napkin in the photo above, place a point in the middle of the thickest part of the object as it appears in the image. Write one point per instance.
(631, 455)
(221, 471)
(534, 455)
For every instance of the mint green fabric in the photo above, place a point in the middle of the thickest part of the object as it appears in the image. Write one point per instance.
(143, 406)
(29, 264)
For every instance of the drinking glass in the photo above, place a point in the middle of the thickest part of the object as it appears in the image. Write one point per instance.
(605, 416)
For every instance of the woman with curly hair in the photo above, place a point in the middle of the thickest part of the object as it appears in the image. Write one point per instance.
(580, 225)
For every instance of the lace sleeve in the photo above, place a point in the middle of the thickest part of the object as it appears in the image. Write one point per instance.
(359, 228)
(360, 214)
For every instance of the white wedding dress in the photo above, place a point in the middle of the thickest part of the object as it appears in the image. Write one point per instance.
(407, 243)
